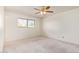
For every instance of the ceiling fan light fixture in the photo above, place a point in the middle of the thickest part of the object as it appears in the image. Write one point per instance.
(43, 12)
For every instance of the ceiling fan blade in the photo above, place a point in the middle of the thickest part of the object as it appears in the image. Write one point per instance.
(47, 7)
(37, 9)
(50, 11)
(37, 13)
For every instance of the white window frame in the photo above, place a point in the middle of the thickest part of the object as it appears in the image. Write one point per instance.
(27, 20)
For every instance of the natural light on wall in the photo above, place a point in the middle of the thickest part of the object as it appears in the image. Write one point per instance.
(25, 23)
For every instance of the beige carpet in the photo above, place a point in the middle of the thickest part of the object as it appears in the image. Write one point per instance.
(40, 45)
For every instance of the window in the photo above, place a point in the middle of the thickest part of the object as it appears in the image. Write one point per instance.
(22, 22)
(29, 23)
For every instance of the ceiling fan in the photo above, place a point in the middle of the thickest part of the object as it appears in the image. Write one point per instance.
(43, 10)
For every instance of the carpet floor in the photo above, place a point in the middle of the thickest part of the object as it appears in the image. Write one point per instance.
(40, 45)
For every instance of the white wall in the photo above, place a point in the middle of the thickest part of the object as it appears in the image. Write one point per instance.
(63, 24)
(15, 33)
(1, 28)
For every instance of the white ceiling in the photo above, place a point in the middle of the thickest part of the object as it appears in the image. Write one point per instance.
(29, 10)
